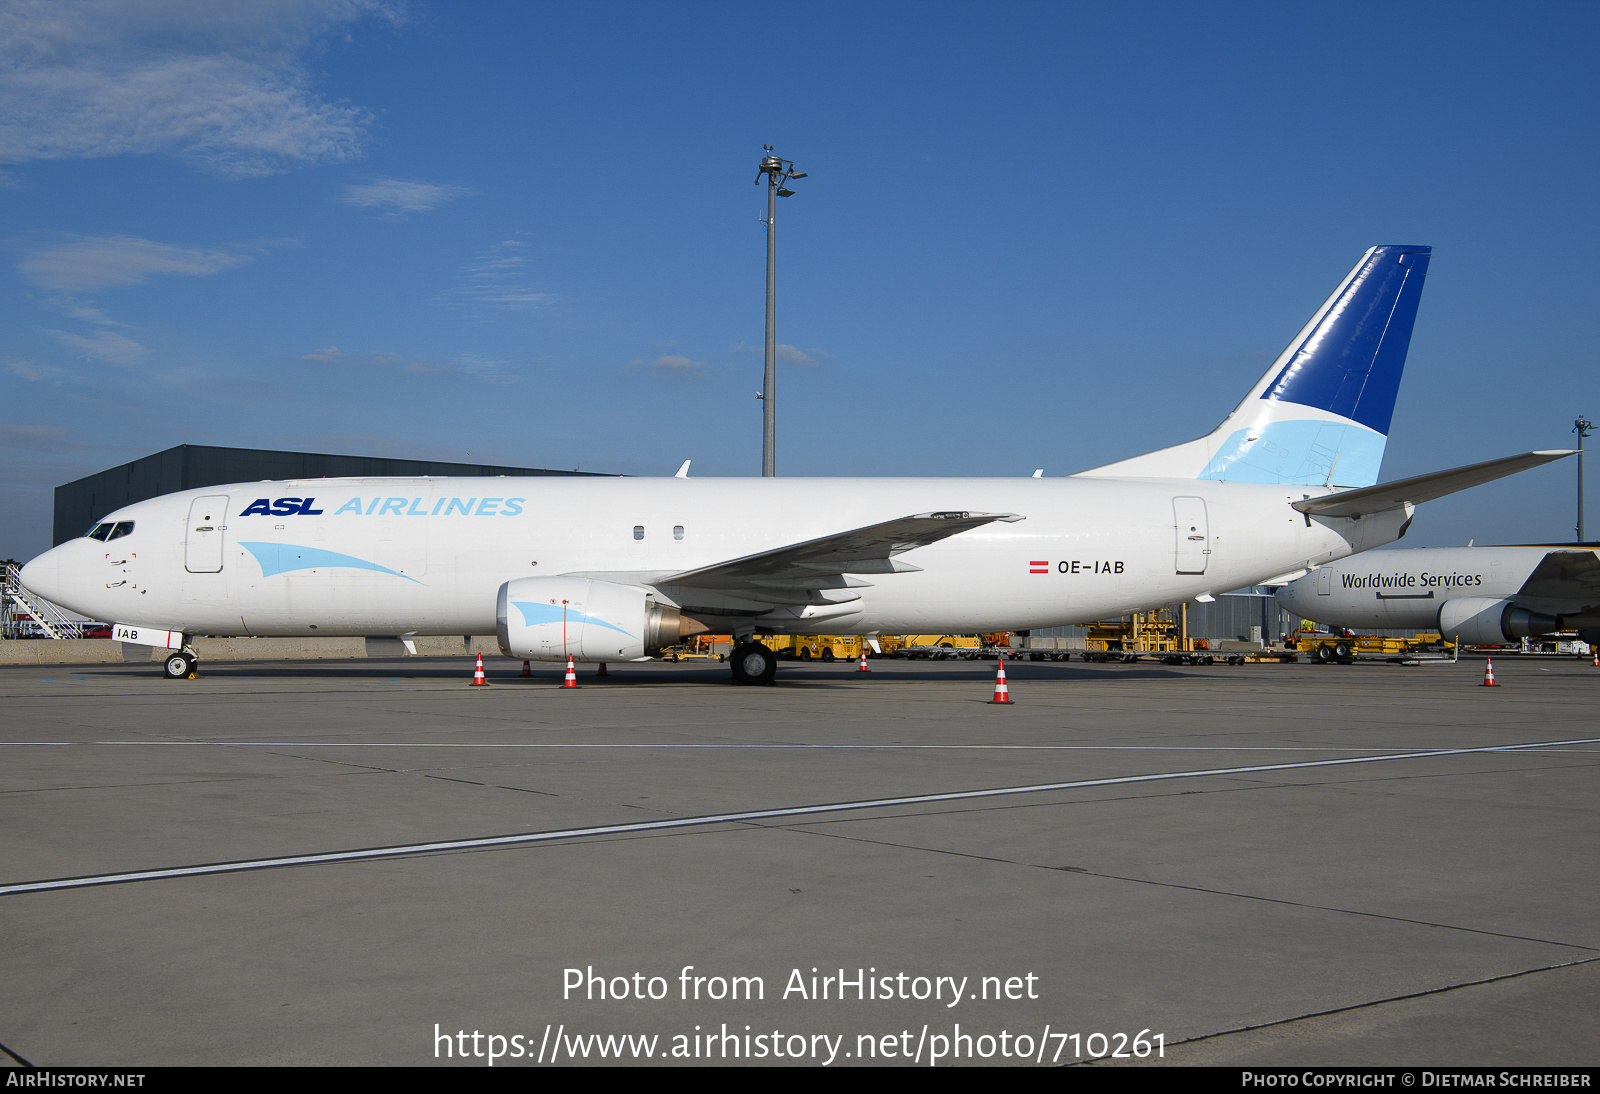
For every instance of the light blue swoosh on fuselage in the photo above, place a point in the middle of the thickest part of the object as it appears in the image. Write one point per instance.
(534, 614)
(281, 558)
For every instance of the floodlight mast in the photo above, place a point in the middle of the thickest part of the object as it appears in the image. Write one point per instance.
(1582, 427)
(778, 173)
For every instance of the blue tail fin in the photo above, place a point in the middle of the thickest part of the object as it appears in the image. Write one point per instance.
(1320, 415)
(1351, 363)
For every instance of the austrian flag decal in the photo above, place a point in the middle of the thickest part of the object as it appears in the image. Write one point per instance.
(1039, 567)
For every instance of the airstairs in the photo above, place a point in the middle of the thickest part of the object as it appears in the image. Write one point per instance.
(26, 614)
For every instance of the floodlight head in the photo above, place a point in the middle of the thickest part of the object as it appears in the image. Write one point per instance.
(782, 193)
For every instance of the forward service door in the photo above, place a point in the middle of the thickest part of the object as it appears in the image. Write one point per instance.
(202, 545)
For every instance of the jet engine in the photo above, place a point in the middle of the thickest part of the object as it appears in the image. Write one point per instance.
(553, 618)
(1486, 621)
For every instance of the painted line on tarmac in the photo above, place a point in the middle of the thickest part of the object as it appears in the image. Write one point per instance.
(724, 818)
(776, 747)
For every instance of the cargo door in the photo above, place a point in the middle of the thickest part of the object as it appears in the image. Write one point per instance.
(202, 547)
(1194, 535)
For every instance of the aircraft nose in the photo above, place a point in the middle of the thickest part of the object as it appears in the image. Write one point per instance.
(43, 575)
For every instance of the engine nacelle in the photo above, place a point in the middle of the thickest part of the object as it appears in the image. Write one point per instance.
(1487, 621)
(553, 618)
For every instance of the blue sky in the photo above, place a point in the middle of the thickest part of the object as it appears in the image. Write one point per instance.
(1033, 234)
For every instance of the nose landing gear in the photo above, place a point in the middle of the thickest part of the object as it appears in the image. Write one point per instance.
(181, 665)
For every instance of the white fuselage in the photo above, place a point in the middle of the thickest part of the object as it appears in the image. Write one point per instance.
(1407, 589)
(427, 556)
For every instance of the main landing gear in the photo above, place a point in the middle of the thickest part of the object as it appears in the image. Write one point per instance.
(181, 665)
(753, 663)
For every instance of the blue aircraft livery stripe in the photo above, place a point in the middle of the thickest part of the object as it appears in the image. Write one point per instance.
(535, 613)
(1304, 453)
(281, 558)
(1350, 364)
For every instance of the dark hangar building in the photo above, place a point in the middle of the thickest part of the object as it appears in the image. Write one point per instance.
(80, 505)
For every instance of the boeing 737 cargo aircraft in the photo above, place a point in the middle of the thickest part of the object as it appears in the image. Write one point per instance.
(1484, 595)
(612, 569)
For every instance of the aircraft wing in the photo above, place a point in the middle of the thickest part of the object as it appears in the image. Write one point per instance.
(1421, 488)
(1563, 575)
(823, 562)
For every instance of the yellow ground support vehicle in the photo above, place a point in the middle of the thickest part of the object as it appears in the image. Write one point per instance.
(1146, 632)
(701, 647)
(939, 647)
(815, 647)
(1327, 649)
(1163, 635)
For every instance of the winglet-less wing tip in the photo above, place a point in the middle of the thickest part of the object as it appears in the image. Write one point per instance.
(955, 514)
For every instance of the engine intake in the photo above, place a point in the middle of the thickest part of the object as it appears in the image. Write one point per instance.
(553, 618)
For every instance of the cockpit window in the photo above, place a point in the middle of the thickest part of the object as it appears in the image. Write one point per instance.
(122, 528)
(99, 531)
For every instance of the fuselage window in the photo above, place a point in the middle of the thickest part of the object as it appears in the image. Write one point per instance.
(99, 531)
(677, 531)
(638, 531)
(123, 527)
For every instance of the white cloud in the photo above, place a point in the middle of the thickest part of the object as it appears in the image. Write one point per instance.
(27, 370)
(465, 363)
(785, 353)
(479, 366)
(401, 196)
(101, 262)
(672, 364)
(496, 279)
(508, 296)
(37, 438)
(219, 83)
(88, 313)
(105, 346)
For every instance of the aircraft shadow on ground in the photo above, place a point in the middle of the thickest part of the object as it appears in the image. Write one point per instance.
(656, 674)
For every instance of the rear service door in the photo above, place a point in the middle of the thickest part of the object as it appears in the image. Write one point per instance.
(202, 547)
(1194, 536)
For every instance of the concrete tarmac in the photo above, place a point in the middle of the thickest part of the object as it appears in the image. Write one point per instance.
(1258, 865)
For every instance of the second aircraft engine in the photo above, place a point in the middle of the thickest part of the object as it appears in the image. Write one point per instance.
(1487, 621)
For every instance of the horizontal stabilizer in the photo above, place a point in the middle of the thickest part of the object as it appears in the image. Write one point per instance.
(1421, 488)
(868, 550)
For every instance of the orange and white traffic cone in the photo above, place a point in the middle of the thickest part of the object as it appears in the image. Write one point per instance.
(1002, 694)
(602, 671)
(478, 679)
(1488, 674)
(526, 671)
(863, 666)
(1597, 657)
(572, 676)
